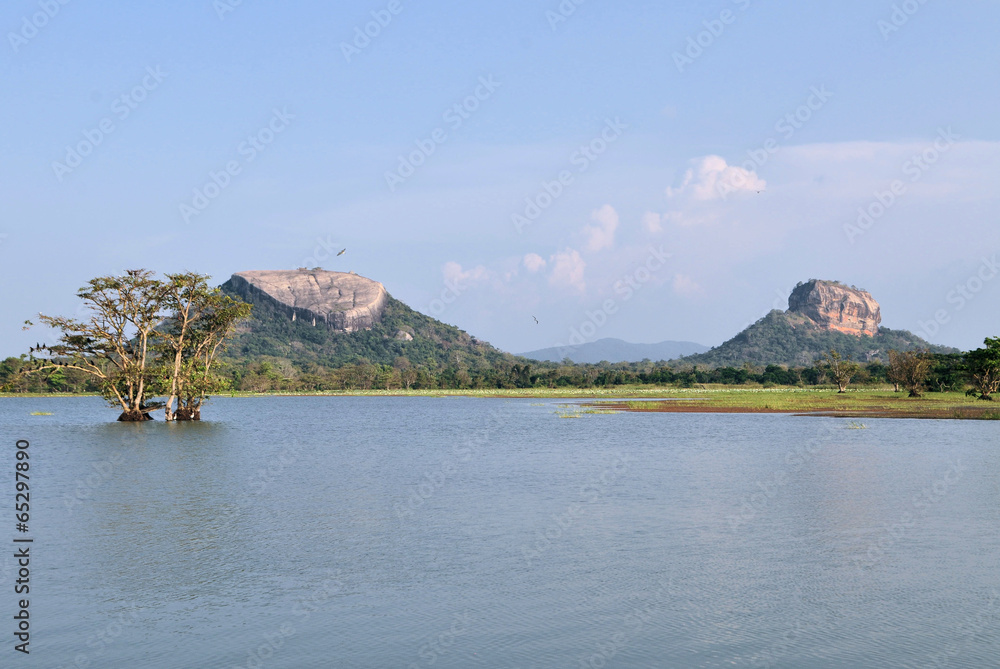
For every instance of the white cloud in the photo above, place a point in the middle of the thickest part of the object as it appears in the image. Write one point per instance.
(711, 178)
(567, 270)
(652, 222)
(455, 275)
(602, 235)
(686, 286)
(534, 262)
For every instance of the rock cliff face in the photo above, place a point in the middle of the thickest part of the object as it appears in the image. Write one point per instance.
(342, 302)
(833, 306)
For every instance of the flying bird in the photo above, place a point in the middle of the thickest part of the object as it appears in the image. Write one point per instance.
(342, 252)
(536, 320)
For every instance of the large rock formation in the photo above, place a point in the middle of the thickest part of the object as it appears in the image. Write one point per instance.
(822, 315)
(341, 301)
(834, 306)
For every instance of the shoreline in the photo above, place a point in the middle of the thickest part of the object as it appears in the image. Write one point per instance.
(814, 402)
(830, 404)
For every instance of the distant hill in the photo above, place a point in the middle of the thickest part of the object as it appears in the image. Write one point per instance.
(617, 350)
(331, 319)
(822, 315)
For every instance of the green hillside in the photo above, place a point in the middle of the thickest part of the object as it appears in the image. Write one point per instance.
(783, 338)
(435, 345)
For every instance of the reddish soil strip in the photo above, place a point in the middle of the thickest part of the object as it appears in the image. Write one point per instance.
(696, 407)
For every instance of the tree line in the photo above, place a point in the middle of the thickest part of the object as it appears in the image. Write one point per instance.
(146, 338)
(915, 372)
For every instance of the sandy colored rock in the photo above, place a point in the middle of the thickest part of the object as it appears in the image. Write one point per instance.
(834, 306)
(342, 301)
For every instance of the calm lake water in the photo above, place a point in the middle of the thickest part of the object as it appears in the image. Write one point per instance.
(461, 532)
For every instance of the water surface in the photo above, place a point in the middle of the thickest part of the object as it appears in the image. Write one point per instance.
(463, 532)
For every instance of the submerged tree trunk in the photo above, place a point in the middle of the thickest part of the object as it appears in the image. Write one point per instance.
(134, 416)
(189, 409)
(184, 413)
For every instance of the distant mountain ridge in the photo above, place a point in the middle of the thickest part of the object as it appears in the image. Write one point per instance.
(617, 350)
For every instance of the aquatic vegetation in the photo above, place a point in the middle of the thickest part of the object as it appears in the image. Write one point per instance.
(854, 425)
(41, 413)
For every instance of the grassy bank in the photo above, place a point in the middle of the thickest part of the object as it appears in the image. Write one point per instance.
(859, 403)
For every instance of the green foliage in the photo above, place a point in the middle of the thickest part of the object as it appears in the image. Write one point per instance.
(782, 338)
(983, 368)
(142, 337)
(435, 347)
(270, 352)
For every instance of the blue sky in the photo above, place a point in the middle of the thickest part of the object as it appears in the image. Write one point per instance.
(661, 145)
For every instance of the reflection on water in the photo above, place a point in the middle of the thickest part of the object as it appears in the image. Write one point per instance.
(424, 532)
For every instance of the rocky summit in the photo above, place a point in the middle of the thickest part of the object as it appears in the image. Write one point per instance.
(822, 316)
(344, 302)
(834, 306)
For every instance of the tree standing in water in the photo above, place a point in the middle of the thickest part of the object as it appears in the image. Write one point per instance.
(116, 343)
(145, 337)
(203, 319)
